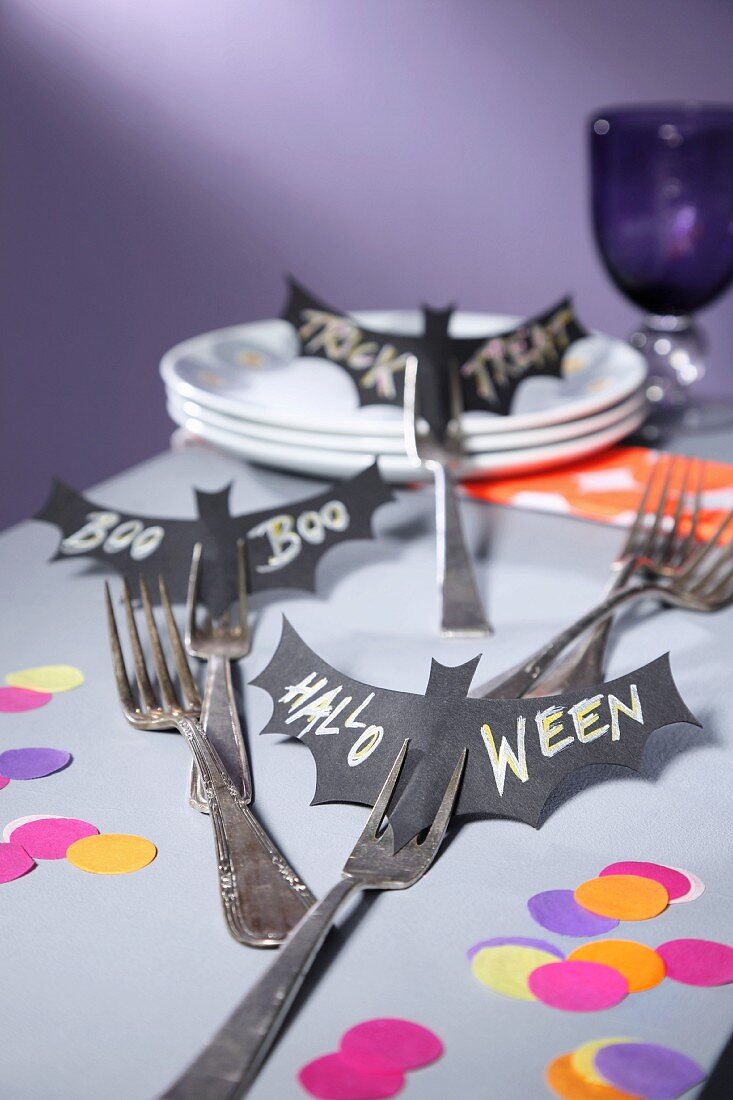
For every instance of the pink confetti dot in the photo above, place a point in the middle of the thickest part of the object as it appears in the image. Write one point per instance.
(14, 700)
(674, 882)
(578, 986)
(49, 837)
(332, 1078)
(4, 780)
(14, 862)
(698, 962)
(388, 1046)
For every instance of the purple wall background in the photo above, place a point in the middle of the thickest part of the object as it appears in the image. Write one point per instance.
(166, 161)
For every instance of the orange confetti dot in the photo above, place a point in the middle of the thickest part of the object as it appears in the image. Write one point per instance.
(625, 897)
(642, 967)
(566, 1083)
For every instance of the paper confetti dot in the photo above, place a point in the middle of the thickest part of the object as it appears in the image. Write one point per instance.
(578, 986)
(582, 1058)
(47, 678)
(517, 941)
(32, 763)
(697, 888)
(674, 882)
(650, 1070)
(389, 1046)
(625, 897)
(11, 826)
(558, 911)
(569, 1085)
(14, 700)
(331, 1078)
(698, 962)
(506, 969)
(14, 862)
(111, 853)
(49, 837)
(642, 967)
(4, 780)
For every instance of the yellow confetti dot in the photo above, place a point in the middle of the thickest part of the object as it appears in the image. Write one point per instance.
(582, 1059)
(506, 968)
(642, 967)
(111, 853)
(625, 897)
(50, 678)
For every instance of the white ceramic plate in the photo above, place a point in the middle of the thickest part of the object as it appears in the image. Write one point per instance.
(321, 462)
(182, 411)
(253, 372)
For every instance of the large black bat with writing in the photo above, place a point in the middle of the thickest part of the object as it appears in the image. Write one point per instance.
(490, 368)
(284, 543)
(519, 750)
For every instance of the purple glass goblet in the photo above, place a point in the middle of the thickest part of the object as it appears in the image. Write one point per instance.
(662, 201)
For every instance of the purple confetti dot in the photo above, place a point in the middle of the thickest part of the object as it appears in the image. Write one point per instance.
(558, 911)
(647, 1069)
(32, 763)
(517, 941)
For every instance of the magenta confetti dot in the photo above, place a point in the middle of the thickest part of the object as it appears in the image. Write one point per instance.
(558, 911)
(516, 941)
(14, 700)
(32, 763)
(49, 837)
(647, 1069)
(389, 1046)
(578, 986)
(14, 862)
(674, 882)
(333, 1078)
(698, 962)
(4, 780)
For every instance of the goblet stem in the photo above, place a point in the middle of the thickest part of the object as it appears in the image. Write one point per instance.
(676, 350)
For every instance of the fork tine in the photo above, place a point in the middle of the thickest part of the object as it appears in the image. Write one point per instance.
(374, 820)
(124, 690)
(243, 625)
(689, 541)
(188, 684)
(670, 541)
(147, 695)
(167, 690)
(628, 547)
(712, 575)
(194, 575)
(436, 832)
(658, 521)
(709, 545)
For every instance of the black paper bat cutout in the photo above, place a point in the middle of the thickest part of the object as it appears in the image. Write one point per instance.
(490, 368)
(284, 543)
(519, 750)
(374, 360)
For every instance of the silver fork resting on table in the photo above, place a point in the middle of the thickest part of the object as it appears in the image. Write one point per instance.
(227, 1067)
(661, 564)
(262, 897)
(462, 614)
(219, 643)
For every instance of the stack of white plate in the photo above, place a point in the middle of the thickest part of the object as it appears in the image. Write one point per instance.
(245, 390)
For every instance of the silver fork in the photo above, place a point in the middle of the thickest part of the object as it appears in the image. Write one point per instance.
(642, 553)
(219, 643)
(675, 569)
(262, 897)
(462, 614)
(227, 1067)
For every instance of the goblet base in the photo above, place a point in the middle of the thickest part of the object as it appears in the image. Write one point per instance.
(676, 350)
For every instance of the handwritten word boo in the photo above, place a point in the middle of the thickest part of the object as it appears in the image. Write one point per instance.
(287, 534)
(104, 529)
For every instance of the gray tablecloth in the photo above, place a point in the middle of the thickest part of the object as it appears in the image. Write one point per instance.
(110, 985)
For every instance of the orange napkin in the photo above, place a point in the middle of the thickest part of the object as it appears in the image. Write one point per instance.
(607, 488)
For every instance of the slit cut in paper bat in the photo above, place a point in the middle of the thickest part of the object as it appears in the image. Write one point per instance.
(519, 750)
(284, 543)
(490, 367)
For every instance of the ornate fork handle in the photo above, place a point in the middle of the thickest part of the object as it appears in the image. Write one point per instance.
(220, 721)
(262, 896)
(228, 1065)
(462, 611)
(520, 681)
